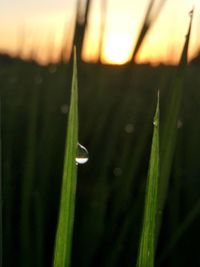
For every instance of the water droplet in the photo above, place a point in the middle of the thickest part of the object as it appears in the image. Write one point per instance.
(64, 108)
(129, 128)
(82, 155)
(155, 123)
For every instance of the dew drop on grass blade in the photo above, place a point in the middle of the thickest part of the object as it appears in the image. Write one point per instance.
(63, 241)
(82, 154)
(147, 239)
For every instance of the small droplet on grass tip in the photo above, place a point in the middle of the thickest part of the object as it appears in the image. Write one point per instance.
(82, 155)
(155, 123)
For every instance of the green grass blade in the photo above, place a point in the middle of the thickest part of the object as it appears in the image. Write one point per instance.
(147, 246)
(63, 242)
(168, 136)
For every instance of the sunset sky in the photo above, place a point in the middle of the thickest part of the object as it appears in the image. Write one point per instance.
(43, 25)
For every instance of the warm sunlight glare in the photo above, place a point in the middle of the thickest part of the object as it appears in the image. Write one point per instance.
(117, 48)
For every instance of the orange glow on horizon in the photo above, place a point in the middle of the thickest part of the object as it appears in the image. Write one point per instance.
(45, 35)
(163, 43)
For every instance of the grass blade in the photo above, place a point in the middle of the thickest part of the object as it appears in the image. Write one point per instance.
(147, 246)
(63, 242)
(149, 19)
(169, 133)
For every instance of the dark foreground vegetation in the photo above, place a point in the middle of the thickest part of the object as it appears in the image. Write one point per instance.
(116, 108)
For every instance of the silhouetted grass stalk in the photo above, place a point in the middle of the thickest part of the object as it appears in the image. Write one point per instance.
(149, 19)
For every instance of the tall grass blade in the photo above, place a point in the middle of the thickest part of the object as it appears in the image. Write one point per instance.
(168, 135)
(63, 242)
(147, 241)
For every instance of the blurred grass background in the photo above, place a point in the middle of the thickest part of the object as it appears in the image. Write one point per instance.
(116, 109)
(115, 126)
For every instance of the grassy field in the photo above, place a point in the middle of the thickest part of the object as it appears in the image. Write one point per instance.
(116, 110)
